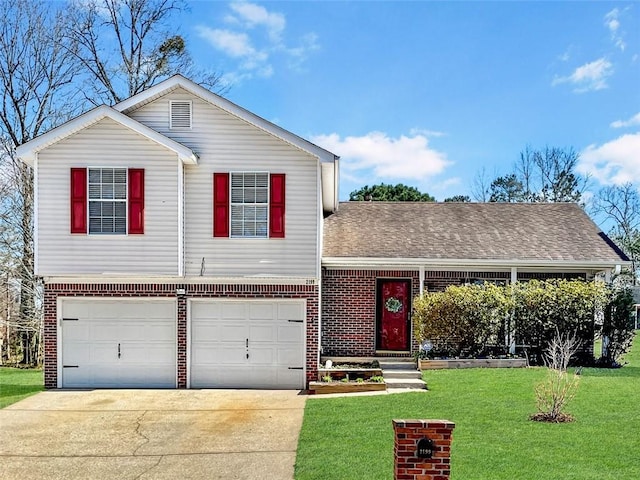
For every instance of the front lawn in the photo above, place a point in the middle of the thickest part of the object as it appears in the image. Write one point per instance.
(17, 383)
(352, 438)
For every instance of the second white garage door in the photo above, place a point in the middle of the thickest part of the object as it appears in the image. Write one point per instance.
(247, 344)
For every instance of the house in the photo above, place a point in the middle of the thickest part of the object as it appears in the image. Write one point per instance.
(185, 242)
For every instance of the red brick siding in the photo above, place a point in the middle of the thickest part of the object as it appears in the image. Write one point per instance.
(349, 309)
(55, 290)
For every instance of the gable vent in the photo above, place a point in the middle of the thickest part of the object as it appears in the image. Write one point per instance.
(180, 116)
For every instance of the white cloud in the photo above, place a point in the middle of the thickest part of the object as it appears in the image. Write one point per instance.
(251, 15)
(588, 77)
(382, 157)
(612, 22)
(232, 43)
(254, 37)
(615, 162)
(631, 122)
(426, 133)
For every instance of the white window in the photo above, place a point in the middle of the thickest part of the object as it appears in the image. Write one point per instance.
(249, 204)
(108, 200)
(180, 114)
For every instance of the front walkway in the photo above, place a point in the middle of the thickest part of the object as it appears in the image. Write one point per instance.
(144, 434)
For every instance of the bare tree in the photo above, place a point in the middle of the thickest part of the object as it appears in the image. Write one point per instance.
(620, 204)
(480, 188)
(553, 394)
(37, 69)
(546, 175)
(126, 46)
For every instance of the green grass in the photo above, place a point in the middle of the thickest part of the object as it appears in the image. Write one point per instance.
(17, 383)
(352, 438)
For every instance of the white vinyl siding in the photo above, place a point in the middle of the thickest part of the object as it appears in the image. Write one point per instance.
(249, 204)
(107, 144)
(225, 143)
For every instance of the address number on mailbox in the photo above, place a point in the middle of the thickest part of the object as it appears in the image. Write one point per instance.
(425, 448)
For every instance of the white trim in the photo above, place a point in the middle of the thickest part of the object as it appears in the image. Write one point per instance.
(59, 341)
(168, 280)
(178, 81)
(27, 151)
(435, 264)
(319, 247)
(188, 346)
(36, 250)
(181, 219)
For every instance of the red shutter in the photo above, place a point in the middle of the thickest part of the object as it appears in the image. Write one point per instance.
(136, 200)
(220, 204)
(276, 205)
(78, 200)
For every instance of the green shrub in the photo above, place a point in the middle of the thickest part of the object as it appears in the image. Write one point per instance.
(543, 308)
(617, 327)
(462, 320)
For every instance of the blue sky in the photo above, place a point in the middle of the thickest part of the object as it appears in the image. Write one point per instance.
(429, 93)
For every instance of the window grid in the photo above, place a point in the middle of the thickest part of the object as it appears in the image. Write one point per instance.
(107, 201)
(249, 204)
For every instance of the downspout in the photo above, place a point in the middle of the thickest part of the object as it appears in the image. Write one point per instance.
(35, 215)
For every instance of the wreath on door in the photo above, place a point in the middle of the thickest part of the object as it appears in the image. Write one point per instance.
(393, 305)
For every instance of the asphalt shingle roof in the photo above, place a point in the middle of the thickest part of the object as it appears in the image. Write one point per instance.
(473, 231)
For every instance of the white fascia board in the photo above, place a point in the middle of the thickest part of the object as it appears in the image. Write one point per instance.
(434, 264)
(178, 81)
(27, 151)
(113, 279)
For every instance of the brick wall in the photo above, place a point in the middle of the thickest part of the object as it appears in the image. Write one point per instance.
(349, 309)
(55, 290)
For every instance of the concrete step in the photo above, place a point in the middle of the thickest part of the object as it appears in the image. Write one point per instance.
(399, 364)
(401, 374)
(405, 383)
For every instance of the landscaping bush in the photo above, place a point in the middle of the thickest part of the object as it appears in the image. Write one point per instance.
(543, 308)
(462, 320)
(617, 327)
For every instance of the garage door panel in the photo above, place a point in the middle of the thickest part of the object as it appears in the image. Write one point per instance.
(291, 311)
(262, 311)
(232, 311)
(289, 332)
(218, 344)
(145, 331)
(265, 333)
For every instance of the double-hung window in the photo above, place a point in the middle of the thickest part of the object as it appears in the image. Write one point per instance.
(249, 204)
(107, 200)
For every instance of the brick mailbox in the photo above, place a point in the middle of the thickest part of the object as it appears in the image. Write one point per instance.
(422, 449)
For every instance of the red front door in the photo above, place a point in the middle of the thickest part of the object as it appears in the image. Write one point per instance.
(393, 314)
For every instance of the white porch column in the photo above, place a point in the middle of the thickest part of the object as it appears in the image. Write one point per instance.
(421, 276)
(511, 334)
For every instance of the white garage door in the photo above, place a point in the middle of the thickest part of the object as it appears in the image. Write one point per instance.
(247, 344)
(118, 343)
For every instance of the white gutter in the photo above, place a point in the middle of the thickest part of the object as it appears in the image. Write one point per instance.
(117, 278)
(434, 263)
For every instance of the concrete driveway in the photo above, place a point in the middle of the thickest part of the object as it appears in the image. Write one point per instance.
(145, 434)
